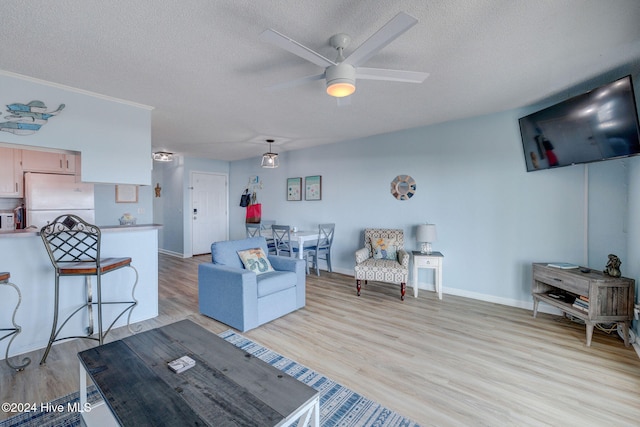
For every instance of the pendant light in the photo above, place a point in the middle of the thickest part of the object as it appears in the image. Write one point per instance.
(269, 159)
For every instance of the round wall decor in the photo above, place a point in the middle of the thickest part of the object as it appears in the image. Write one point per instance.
(403, 187)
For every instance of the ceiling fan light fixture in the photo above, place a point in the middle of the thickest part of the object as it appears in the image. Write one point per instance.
(340, 74)
(340, 89)
(269, 159)
(341, 80)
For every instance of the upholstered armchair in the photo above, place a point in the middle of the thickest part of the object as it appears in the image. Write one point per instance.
(245, 288)
(383, 258)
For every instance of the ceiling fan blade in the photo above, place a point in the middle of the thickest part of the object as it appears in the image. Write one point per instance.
(296, 82)
(290, 45)
(385, 35)
(390, 75)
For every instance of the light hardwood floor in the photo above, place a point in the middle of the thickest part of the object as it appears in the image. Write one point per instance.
(455, 362)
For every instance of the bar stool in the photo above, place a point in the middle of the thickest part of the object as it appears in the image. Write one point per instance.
(15, 330)
(73, 246)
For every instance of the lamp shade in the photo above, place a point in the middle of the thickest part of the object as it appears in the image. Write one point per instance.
(426, 233)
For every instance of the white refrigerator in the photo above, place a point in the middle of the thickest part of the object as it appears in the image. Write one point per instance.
(48, 196)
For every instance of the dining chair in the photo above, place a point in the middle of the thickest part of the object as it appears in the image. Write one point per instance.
(253, 230)
(266, 232)
(282, 239)
(266, 224)
(322, 249)
(283, 243)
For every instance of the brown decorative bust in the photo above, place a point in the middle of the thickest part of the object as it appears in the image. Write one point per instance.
(613, 266)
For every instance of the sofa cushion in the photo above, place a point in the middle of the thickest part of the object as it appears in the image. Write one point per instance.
(255, 260)
(275, 281)
(226, 252)
(384, 248)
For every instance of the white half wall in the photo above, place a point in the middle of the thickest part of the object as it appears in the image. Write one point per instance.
(106, 131)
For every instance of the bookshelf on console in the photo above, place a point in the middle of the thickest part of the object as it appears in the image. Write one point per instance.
(610, 299)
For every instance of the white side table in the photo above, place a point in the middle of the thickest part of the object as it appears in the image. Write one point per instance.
(432, 260)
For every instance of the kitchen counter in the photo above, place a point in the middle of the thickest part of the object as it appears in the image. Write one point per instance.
(25, 257)
(28, 232)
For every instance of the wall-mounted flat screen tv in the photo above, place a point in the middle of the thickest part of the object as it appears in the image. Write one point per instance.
(598, 125)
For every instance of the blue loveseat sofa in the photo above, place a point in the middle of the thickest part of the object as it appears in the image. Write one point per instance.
(241, 299)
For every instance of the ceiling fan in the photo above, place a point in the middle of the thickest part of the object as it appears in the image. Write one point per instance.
(341, 74)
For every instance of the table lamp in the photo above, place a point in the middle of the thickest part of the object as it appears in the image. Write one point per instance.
(425, 234)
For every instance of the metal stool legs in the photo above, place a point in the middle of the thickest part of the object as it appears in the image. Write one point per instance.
(15, 330)
(130, 305)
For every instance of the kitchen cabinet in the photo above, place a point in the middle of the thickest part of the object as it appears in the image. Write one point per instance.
(10, 173)
(43, 161)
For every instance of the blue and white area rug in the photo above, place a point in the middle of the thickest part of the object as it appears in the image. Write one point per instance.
(339, 406)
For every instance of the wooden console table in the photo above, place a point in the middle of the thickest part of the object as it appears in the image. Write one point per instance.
(610, 299)
(227, 386)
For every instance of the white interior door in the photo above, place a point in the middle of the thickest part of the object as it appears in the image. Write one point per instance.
(209, 211)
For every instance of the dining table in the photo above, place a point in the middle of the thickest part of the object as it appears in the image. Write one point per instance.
(304, 236)
(299, 238)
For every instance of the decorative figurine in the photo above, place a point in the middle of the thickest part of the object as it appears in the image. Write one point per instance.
(158, 189)
(613, 266)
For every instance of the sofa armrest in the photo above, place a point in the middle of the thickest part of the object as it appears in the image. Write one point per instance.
(362, 254)
(284, 263)
(226, 274)
(228, 294)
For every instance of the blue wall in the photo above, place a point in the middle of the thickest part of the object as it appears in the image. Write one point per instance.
(493, 218)
(632, 268)
(173, 208)
(108, 212)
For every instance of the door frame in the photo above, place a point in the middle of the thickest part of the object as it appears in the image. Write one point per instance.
(190, 208)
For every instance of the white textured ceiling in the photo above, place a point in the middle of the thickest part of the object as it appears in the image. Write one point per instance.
(200, 63)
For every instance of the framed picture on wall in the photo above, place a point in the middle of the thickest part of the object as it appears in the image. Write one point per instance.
(294, 189)
(126, 194)
(313, 187)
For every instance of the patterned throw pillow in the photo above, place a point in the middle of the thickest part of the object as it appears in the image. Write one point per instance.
(384, 248)
(255, 260)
